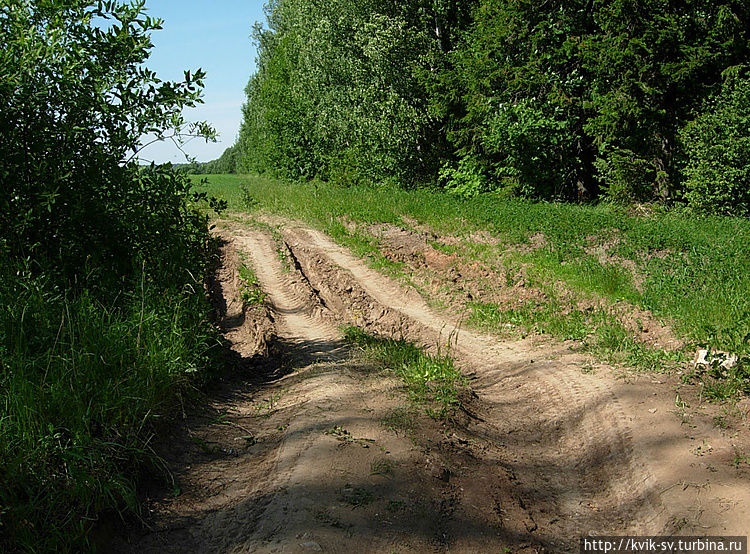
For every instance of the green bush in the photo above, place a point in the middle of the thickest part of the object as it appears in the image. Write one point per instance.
(717, 144)
(77, 102)
(464, 179)
(526, 143)
(626, 177)
(103, 316)
(348, 169)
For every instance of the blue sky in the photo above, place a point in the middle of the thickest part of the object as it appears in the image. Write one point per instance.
(213, 35)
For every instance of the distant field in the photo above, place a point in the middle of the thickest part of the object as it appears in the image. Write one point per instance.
(692, 272)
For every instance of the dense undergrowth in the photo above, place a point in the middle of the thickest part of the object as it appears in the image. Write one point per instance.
(104, 328)
(87, 372)
(82, 385)
(686, 269)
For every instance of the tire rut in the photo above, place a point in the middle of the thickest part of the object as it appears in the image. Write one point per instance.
(579, 473)
(541, 453)
(296, 309)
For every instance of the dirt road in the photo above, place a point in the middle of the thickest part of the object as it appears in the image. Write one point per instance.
(314, 449)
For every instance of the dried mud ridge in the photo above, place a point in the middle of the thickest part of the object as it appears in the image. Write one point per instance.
(315, 450)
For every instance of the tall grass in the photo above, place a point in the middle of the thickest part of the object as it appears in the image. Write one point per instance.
(693, 269)
(81, 385)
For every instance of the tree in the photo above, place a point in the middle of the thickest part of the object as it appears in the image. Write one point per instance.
(341, 91)
(76, 100)
(652, 65)
(104, 322)
(717, 145)
(558, 100)
(570, 99)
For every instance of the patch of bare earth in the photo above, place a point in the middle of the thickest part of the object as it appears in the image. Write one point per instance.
(453, 279)
(312, 449)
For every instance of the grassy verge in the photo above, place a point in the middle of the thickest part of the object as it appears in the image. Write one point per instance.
(81, 386)
(432, 382)
(687, 271)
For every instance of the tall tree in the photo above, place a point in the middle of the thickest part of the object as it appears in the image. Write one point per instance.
(652, 65)
(545, 99)
(337, 93)
(562, 98)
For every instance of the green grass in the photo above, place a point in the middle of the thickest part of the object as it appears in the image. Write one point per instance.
(612, 343)
(719, 382)
(81, 387)
(400, 419)
(250, 290)
(548, 317)
(431, 381)
(693, 269)
(689, 271)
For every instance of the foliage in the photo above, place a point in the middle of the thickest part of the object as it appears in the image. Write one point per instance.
(336, 95)
(527, 138)
(628, 177)
(465, 179)
(596, 91)
(250, 290)
(103, 325)
(516, 94)
(717, 146)
(76, 101)
(228, 163)
(558, 100)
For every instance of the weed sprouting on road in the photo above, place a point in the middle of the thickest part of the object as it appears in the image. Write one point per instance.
(432, 381)
(250, 290)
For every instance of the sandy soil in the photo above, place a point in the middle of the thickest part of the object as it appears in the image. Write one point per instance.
(309, 448)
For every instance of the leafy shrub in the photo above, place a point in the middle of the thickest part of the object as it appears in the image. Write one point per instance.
(525, 142)
(717, 144)
(465, 179)
(349, 169)
(626, 177)
(103, 323)
(76, 102)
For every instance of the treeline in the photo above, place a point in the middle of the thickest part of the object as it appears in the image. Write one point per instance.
(104, 326)
(630, 100)
(228, 162)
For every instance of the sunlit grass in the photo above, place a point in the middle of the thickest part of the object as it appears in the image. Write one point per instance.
(693, 270)
(689, 271)
(433, 382)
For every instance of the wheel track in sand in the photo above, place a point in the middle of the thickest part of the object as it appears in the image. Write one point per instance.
(602, 485)
(249, 526)
(548, 454)
(301, 319)
(589, 455)
(295, 310)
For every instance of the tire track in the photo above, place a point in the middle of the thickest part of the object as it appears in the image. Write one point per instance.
(541, 454)
(572, 451)
(297, 313)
